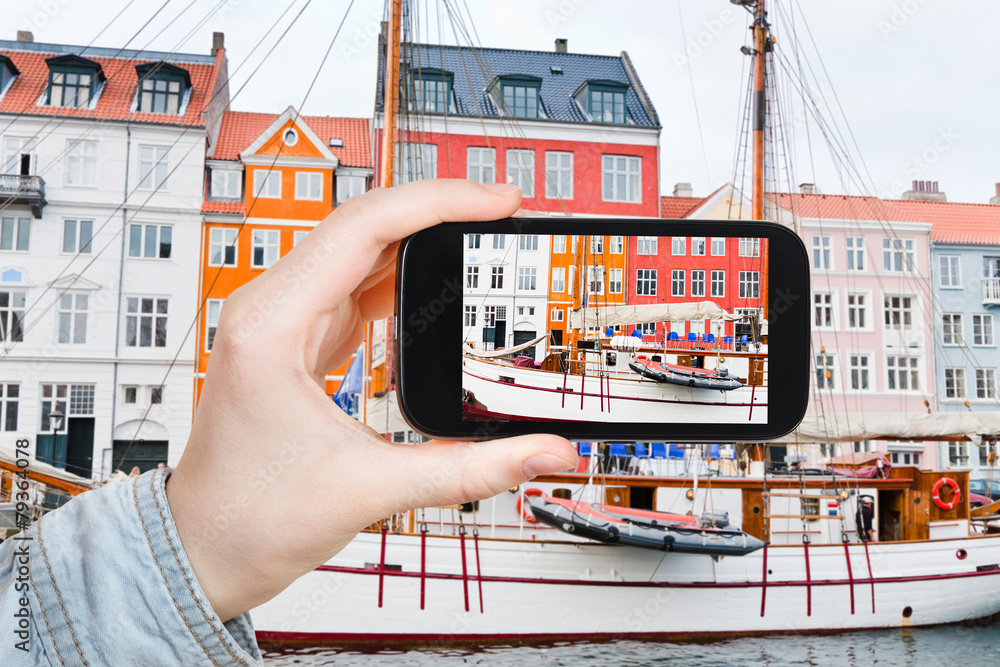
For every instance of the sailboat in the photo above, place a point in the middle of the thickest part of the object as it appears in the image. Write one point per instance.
(538, 562)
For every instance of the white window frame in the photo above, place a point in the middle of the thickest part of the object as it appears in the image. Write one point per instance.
(474, 241)
(862, 308)
(646, 245)
(646, 278)
(698, 243)
(559, 244)
(528, 242)
(16, 226)
(144, 230)
(521, 170)
(898, 255)
(718, 281)
(893, 368)
(415, 162)
(616, 278)
(527, 278)
(950, 270)
(227, 184)
(349, 185)
(72, 317)
(481, 164)
(748, 279)
(469, 314)
(718, 243)
(556, 315)
(677, 280)
(14, 311)
(78, 247)
(858, 371)
(596, 245)
(298, 235)
(595, 279)
(825, 371)
(749, 247)
(952, 329)
(954, 383)
(471, 277)
(678, 246)
(824, 301)
(138, 317)
(983, 335)
(697, 283)
(855, 253)
(309, 185)
(268, 240)
(904, 310)
(822, 252)
(80, 166)
(986, 384)
(559, 279)
(266, 183)
(154, 167)
(621, 179)
(213, 309)
(496, 277)
(616, 244)
(558, 166)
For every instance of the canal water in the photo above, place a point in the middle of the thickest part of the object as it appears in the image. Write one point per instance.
(975, 644)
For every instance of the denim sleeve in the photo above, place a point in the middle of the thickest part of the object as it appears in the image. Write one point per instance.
(104, 581)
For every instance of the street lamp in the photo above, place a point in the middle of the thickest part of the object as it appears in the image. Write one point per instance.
(55, 421)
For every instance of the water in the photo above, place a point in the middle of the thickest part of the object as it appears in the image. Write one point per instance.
(973, 644)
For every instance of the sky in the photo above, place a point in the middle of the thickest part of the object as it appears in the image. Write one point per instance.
(913, 86)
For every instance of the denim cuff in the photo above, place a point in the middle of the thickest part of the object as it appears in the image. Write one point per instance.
(112, 585)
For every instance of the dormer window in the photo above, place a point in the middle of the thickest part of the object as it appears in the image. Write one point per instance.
(8, 72)
(430, 91)
(162, 87)
(73, 81)
(518, 96)
(604, 101)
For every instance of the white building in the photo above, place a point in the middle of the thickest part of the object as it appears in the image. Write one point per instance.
(100, 217)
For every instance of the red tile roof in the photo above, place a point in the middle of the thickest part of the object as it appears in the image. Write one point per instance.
(209, 206)
(679, 207)
(844, 207)
(240, 129)
(956, 222)
(116, 98)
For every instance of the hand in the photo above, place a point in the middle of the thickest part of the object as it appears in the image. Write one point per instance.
(275, 478)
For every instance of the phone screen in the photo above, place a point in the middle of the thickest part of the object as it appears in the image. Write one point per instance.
(615, 329)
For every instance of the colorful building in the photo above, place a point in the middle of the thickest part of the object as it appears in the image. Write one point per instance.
(268, 180)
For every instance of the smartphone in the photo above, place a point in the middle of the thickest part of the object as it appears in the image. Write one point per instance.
(603, 329)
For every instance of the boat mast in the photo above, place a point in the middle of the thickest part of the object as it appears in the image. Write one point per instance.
(761, 44)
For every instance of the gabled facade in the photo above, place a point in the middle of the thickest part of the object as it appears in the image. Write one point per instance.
(270, 179)
(102, 164)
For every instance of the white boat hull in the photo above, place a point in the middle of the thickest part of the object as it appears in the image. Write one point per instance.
(512, 392)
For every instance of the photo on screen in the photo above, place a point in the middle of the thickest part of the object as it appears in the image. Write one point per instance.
(628, 329)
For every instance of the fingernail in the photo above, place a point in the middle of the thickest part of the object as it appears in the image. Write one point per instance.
(542, 464)
(501, 188)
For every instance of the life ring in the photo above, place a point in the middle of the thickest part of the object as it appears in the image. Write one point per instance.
(956, 497)
(525, 511)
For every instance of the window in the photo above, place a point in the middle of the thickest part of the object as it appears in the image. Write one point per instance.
(986, 383)
(150, 241)
(77, 235)
(862, 446)
(855, 253)
(153, 167)
(480, 165)
(298, 235)
(615, 278)
(606, 104)
(678, 245)
(898, 312)
(472, 277)
(265, 247)
(556, 315)
(645, 282)
(81, 163)
(823, 310)
(951, 272)
(857, 311)
(697, 246)
(470, 316)
(718, 247)
(431, 91)
(647, 328)
(595, 279)
(9, 399)
(15, 233)
(749, 284)
(559, 279)
(492, 314)
(156, 395)
(897, 254)
(499, 241)
(697, 283)
(145, 322)
(130, 394)
(71, 87)
(12, 316)
(161, 87)
(905, 458)
(309, 185)
(718, 283)
(558, 175)
(520, 98)
(267, 183)
(558, 244)
(213, 308)
(958, 454)
(860, 365)
(415, 162)
(53, 397)
(829, 450)
(982, 329)
(677, 282)
(616, 244)
(952, 333)
(596, 245)
(645, 245)
(349, 186)
(621, 178)
(749, 247)
(72, 318)
(526, 277)
(496, 277)
(824, 371)
(903, 373)
(227, 184)
(528, 242)
(821, 247)
(222, 244)
(954, 383)
(474, 240)
(521, 170)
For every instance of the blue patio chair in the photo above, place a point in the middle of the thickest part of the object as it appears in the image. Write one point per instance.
(727, 341)
(618, 449)
(658, 450)
(692, 339)
(609, 332)
(641, 450)
(712, 452)
(583, 448)
(637, 333)
(743, 339)
(676, 452)
(709, 339)
(674, 337)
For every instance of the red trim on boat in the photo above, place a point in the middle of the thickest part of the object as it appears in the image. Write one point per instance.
(809, 590)
(850, 573)
(870, 578)
(763, 584)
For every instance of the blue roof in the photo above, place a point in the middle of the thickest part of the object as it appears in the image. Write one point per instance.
(475, 69)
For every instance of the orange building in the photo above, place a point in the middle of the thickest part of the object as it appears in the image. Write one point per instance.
(269, 179)
(604, 284)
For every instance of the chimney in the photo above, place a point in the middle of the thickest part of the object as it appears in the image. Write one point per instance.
(683, 190)
(925, 191)
(218, 42)
(807, 188)
(561, 45)
(25, 36)
(996, 199)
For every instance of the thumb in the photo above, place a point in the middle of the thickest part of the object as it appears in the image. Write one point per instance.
(440, 473)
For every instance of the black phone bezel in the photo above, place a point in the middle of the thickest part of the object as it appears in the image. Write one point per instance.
(428, 323)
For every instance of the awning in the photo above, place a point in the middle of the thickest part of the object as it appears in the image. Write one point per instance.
(612, 316)
(504, 352)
